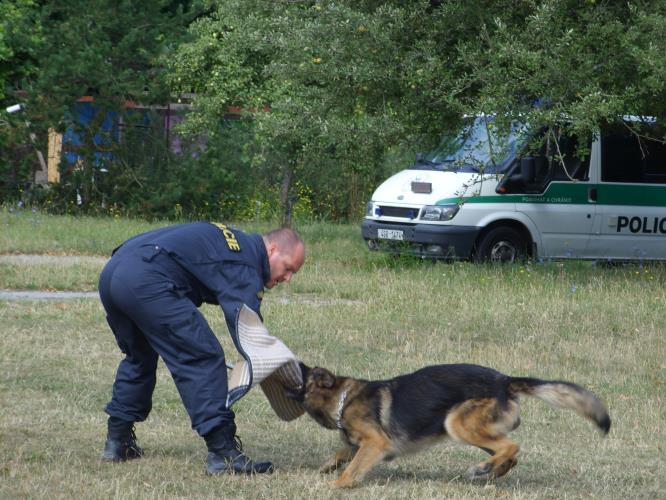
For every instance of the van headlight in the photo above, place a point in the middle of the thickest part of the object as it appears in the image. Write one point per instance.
(439, 212)
(370, 209)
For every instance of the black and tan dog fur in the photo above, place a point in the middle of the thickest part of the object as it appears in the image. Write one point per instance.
(379, 420)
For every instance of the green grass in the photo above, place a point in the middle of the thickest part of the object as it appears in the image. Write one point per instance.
(357, 313)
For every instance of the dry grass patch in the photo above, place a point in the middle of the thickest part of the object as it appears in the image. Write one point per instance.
(369, 316)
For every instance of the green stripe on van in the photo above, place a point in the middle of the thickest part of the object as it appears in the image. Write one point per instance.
(577, 194)
(634, 194)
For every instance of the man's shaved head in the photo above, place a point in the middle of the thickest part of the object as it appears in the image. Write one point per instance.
(286, 253)
(286, 238)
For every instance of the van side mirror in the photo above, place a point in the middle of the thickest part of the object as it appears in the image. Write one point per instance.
(520, 178)
(528, 169)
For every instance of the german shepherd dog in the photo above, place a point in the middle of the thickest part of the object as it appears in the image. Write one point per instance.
(379, 420)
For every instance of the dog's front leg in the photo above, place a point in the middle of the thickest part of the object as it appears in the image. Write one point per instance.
(341, 457)
(372, 450)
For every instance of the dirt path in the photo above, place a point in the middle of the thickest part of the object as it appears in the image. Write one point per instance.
(40, 295)
(311, 300)
(20, 258)
(48, 295)
(6, 294)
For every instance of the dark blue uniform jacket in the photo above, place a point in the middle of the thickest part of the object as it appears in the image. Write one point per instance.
(211, 268)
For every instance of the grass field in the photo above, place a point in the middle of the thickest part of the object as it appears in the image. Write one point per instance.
(357, 313)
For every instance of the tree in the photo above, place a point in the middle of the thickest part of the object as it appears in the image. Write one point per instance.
(20, 39)
(288, 58)
(591, 63)
(347, 82)
(108, 50)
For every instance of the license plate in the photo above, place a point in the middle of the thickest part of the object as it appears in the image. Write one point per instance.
(390, 234)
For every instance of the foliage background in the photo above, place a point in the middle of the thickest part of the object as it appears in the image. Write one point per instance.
(334, 94)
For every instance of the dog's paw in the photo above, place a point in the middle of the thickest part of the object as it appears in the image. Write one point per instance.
(341, 483)
(480, 472)
(505, 467)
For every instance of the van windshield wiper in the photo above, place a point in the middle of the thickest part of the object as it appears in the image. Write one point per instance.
(448, 164)
(472, 166)
(456, 164)
(425, 161)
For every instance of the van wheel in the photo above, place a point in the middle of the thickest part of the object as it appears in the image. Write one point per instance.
(501, 244)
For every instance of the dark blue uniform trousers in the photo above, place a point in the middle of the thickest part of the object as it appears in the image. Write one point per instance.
(150, 315)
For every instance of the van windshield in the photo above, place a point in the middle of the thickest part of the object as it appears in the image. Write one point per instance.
(481, 146)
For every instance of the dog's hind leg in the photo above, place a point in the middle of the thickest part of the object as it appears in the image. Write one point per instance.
(374, 447)
(483, 423)
(342, 456)
(500, 463)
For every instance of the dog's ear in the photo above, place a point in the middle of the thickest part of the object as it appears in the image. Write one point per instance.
(323, 378)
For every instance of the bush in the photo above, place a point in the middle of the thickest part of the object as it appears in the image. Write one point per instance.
(220, 177)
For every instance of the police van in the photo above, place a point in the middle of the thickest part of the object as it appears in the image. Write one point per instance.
(506, 193)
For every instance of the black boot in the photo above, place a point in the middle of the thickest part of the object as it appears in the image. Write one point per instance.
(225, 454)
(121, 442)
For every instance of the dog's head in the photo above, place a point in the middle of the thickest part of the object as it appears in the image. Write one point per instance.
(319, 394)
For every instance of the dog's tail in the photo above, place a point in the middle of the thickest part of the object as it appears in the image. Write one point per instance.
(566, 395)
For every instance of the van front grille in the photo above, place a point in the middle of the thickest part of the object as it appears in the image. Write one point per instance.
(402, 212)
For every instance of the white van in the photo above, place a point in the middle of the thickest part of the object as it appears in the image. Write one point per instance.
(491, 196)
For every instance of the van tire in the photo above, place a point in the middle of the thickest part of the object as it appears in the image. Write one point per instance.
(501, 244)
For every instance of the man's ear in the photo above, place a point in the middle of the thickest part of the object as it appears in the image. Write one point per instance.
(272, 248)
(323, 378)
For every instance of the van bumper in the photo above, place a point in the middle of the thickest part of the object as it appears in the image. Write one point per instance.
(427, 240)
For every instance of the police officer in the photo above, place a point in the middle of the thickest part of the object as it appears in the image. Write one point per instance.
(151, 289)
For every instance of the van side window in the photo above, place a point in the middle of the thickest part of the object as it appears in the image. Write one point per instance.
(628, 157)
(550, 166)
(549, 155)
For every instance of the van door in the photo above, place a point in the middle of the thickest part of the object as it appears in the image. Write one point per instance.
(632, 194)
(565, 206)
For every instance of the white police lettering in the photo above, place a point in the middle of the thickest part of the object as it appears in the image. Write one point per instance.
(647, 225)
